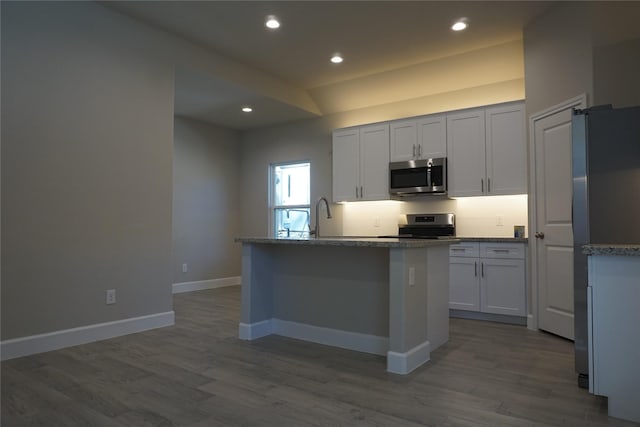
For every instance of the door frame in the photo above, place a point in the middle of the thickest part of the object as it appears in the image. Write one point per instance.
(579, 101)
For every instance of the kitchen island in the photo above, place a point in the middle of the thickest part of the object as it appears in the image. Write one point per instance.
(378, 295)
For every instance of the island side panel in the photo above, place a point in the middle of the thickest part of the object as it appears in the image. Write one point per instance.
(257, 291)
(614, 282)
(341, 288)
(438, 296)
(409, 346)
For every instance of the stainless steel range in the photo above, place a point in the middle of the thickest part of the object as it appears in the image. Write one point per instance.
(427, 226)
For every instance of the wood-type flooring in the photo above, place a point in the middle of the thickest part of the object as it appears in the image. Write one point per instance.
(198, 373)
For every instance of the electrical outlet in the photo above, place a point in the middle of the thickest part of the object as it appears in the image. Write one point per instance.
(185, 267)
(499, 220)
(376, 221)
(412, 276)
(111, 296)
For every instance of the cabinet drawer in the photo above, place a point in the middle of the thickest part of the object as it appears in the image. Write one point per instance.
(465, 249)
(502, 250)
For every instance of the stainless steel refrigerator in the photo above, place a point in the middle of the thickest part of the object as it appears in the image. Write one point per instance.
(606, 198)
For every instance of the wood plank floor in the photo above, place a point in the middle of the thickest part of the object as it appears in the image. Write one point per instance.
(197, 373)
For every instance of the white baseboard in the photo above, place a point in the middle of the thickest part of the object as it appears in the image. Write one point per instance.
(25, 346)
(320, 335)
(253, 331)
(199, 285)
(344, 339)
(489, 317)
(404, 363)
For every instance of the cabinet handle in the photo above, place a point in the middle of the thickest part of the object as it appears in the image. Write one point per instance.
(482, 269)
(356, 191)
(504, 251)
(488, 185)
(458, 249)
(482, 184)
(414, 150)
(419, 150)
(361, 192)
(475, 267)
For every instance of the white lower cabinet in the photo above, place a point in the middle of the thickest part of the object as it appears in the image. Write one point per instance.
(502, 286)
(488, 278)
(464, 281)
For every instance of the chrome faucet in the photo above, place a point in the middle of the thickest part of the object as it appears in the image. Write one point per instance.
(316, 230)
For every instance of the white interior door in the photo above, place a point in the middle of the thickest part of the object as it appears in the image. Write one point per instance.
(553, 225)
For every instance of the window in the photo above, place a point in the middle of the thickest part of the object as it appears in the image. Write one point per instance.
(290, 207)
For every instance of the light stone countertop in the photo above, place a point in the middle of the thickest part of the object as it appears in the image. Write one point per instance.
(606, 249)
(372, 242)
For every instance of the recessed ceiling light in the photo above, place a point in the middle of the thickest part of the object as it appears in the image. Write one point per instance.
(336, 58)
(272, 22)
(247, 109)
(459, 25)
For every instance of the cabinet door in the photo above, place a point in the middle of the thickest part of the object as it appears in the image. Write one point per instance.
(404, 140)
(466, 153)
(502, 286)
(506, 150)
(374, 162)
(464, 284)
(346, 164)
(432, 137)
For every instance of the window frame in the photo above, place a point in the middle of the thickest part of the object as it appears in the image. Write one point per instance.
(272, 206)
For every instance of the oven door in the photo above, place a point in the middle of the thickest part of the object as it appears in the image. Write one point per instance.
(418, 176)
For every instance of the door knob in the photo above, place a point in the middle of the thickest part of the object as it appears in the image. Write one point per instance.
(539, 235)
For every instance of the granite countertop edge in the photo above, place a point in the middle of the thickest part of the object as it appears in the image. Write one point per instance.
(373, 242)
(612, 249)
(494, 239)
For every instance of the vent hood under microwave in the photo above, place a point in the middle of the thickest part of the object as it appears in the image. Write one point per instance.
(424, 176)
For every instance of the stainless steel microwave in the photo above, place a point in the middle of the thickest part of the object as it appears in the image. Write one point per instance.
(425, 176)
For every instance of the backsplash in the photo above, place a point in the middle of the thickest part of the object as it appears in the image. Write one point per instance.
(475, 216)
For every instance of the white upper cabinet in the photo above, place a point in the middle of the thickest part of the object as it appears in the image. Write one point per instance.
(404, 138)
(506, 149)
(346, 161)
(418, 138)
(361, 163)
(466, 153)
(432, 136)
(487, 151)
(374, 162)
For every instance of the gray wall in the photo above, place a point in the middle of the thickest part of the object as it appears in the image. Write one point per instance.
(206, 200)
(616, 70)
(558, 56)
(306, 140)
(596, 54)
(87, 120)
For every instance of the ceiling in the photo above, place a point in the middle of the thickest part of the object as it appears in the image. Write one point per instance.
(385, 44)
